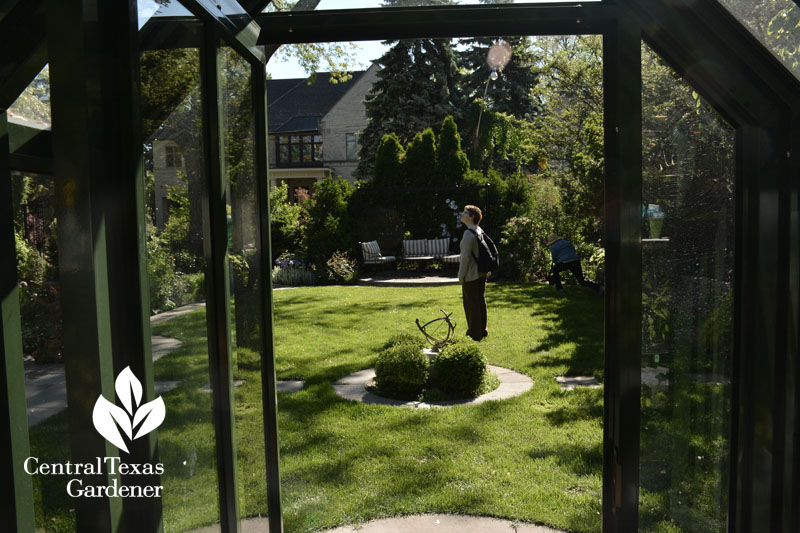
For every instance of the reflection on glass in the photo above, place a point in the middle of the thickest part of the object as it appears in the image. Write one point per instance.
(32, 107)
(35, 224)
(174, 185)
(775, 23)
(244, 254)
(148, 9)
(287, 5)
(687, 306)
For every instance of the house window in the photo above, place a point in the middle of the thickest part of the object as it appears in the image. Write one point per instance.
(299, 150)
(172, 156)
(351, 146)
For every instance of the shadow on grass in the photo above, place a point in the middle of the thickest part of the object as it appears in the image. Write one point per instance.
(586, 404)
(573, 320)
(582, 459)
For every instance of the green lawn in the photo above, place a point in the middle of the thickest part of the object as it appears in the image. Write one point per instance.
(536, 457)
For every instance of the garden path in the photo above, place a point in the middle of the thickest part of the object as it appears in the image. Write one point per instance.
(46, 385)
(426, 523)
(400, 278)
(353, 387)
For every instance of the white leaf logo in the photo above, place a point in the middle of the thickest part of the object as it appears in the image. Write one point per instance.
(109, 419)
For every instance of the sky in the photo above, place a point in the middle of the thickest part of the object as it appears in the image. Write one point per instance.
(365, 53)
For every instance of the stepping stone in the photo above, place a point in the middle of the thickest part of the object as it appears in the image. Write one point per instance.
(283, 386)
(571, 382)
(161, 346)
(236, 384)
(164, 386)
(290, 386)
(655, 377)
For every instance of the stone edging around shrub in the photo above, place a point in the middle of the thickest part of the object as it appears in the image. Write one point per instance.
(353, 387)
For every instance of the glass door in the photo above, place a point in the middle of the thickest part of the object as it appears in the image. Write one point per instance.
(688, 208)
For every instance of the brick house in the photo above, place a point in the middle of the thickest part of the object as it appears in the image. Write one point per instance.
(313, 129)
(313, 133)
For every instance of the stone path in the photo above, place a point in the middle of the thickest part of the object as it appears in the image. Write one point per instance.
(167, 315)
(425, 523)
(46, 390)
(46, 385)
(405, 279)
(353, 387)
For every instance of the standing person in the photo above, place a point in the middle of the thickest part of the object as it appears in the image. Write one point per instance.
(473, 282)
(566, 258)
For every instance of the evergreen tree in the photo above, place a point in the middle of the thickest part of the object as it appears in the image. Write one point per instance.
(511, 92)
(388, 169)
(416, 89)
(452, 162)
(419, 167)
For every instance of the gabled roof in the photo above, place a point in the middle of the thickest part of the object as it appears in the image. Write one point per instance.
(294, 105)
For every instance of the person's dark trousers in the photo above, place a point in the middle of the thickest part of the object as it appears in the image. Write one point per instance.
(577, 271)
(474, 295)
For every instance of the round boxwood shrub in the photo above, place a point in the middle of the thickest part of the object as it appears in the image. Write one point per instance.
(459, 369)
(404, 338)
(401, 371)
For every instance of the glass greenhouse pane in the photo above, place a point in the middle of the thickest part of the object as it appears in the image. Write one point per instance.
(286, 5)
(776, 23)
(244, 262)
(175, 182)
(687, 305)
(160, 8)
(32, 107)
(36, 236)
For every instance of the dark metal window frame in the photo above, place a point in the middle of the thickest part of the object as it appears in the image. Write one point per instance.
(315, 147)
(762, 102)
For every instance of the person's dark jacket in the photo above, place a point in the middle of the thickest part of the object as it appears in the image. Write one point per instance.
(562, 251)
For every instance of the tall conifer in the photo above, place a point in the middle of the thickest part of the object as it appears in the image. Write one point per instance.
(419, 167)
(388, 169)
(416, 89)
(452, 163)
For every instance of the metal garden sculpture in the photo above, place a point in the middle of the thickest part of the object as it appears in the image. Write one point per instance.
(434, 329)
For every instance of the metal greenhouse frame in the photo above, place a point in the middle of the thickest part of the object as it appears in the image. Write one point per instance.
(94, 153)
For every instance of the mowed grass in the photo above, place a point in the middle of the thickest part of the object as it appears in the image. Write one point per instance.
(533, 458)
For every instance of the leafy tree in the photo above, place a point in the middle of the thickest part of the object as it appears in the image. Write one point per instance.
(571, 126)
(330, 225)
(286, 222)
(452, 162)
(776, 23)
(683, 137)
(170, 96)
(388, 162)
(416, 88)
(34, 102)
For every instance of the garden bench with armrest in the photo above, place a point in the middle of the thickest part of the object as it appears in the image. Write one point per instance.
(427, 250)
(372, 254)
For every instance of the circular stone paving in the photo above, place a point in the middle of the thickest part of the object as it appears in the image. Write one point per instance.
(426, 523)
(354, 387)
